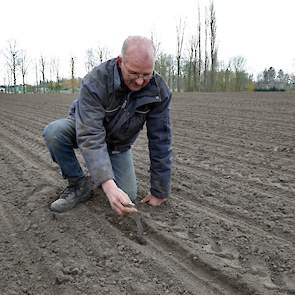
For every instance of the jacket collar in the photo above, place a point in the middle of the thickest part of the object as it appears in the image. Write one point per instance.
(117, 77)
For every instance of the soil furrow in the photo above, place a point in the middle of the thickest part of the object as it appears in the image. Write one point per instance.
(35, 120)
(205, 151)
(28, 260)
(46, 165)
(254, 142)
(232, 178)
(277, 159)
(197, 275)
(234, 216)
(177, 266)
(46, 248)
(231, 119)
(238, 177)
(195, 264)
(228, 227)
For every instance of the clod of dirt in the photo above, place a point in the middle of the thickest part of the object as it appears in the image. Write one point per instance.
(141, 240)
(61, 278)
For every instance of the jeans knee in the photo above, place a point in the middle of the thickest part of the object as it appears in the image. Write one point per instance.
(56, 131)
(50, 132)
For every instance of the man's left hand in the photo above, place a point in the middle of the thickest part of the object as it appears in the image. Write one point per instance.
(153, 201)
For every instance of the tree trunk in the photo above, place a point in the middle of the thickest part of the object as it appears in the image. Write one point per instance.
(213, 50)
(73, 73)
(24, 86)
(199, 44)
(179, 35)
(206, 53)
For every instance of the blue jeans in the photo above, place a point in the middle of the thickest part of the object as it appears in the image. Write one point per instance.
(60, 137)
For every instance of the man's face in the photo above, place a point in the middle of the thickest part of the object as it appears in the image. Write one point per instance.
(136, 75)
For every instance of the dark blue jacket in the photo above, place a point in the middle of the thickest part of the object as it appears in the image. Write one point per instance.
(109, 117)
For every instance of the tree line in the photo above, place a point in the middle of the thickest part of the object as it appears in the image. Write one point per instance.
(194, 67)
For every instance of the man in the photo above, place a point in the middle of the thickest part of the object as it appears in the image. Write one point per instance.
(116, 99)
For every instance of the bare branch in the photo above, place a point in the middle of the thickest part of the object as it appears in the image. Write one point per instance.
(24, 65)
(12, 56)
(180, 36)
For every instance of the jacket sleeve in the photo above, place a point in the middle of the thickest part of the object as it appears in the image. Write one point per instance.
(160, 148)
(91, 133)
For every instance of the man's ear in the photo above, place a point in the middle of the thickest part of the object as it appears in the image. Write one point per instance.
(119, 60)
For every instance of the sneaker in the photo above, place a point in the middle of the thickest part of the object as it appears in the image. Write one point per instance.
(76, 192)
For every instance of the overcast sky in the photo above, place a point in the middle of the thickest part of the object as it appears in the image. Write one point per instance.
(262, 31)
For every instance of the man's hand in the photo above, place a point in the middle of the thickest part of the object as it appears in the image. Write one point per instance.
(152, 200)
(119, 200)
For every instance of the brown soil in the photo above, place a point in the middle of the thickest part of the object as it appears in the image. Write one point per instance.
(229, 227)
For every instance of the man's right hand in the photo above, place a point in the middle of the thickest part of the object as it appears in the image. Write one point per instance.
(118, 199)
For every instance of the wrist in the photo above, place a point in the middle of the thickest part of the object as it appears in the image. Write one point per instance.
(108, 186)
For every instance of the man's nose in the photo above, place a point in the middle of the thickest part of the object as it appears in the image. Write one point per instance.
(139, 81)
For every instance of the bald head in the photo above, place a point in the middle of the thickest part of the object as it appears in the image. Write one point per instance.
(137, 62)
(139, 49)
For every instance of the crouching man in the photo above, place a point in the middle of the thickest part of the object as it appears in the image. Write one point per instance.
(116, 99)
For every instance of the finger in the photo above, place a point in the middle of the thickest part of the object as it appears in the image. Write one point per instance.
(128, 203)
(125, 200)
(119, 206)
(128, 210)
(145, 199)
(156, 202)
(117, 210)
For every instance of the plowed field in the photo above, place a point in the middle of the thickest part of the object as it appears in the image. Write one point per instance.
(228, 228)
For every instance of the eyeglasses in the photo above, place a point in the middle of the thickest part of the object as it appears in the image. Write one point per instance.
(144, 77)
(135, 76)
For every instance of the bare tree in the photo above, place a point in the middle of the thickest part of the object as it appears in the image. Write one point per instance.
(195, 65)
(37, 76)
(191, 65)
(179, 35)
(103, 53)
(159, 56)
(54, 69)
(171, 72)
(206, 62)
(9, 78)
(51, 72)
(282, 80)
(213, 49)
(42, 70)
(199, 45)
(238, 63)
(96, 56)
(12, 59)
(5, 83)
(223, 76)
(227, 77)
(91, 59)
(73, 74)
(166, 67)
(24, 65)
(157, 45)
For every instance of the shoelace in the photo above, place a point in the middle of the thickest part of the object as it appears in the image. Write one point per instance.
(68, 190)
